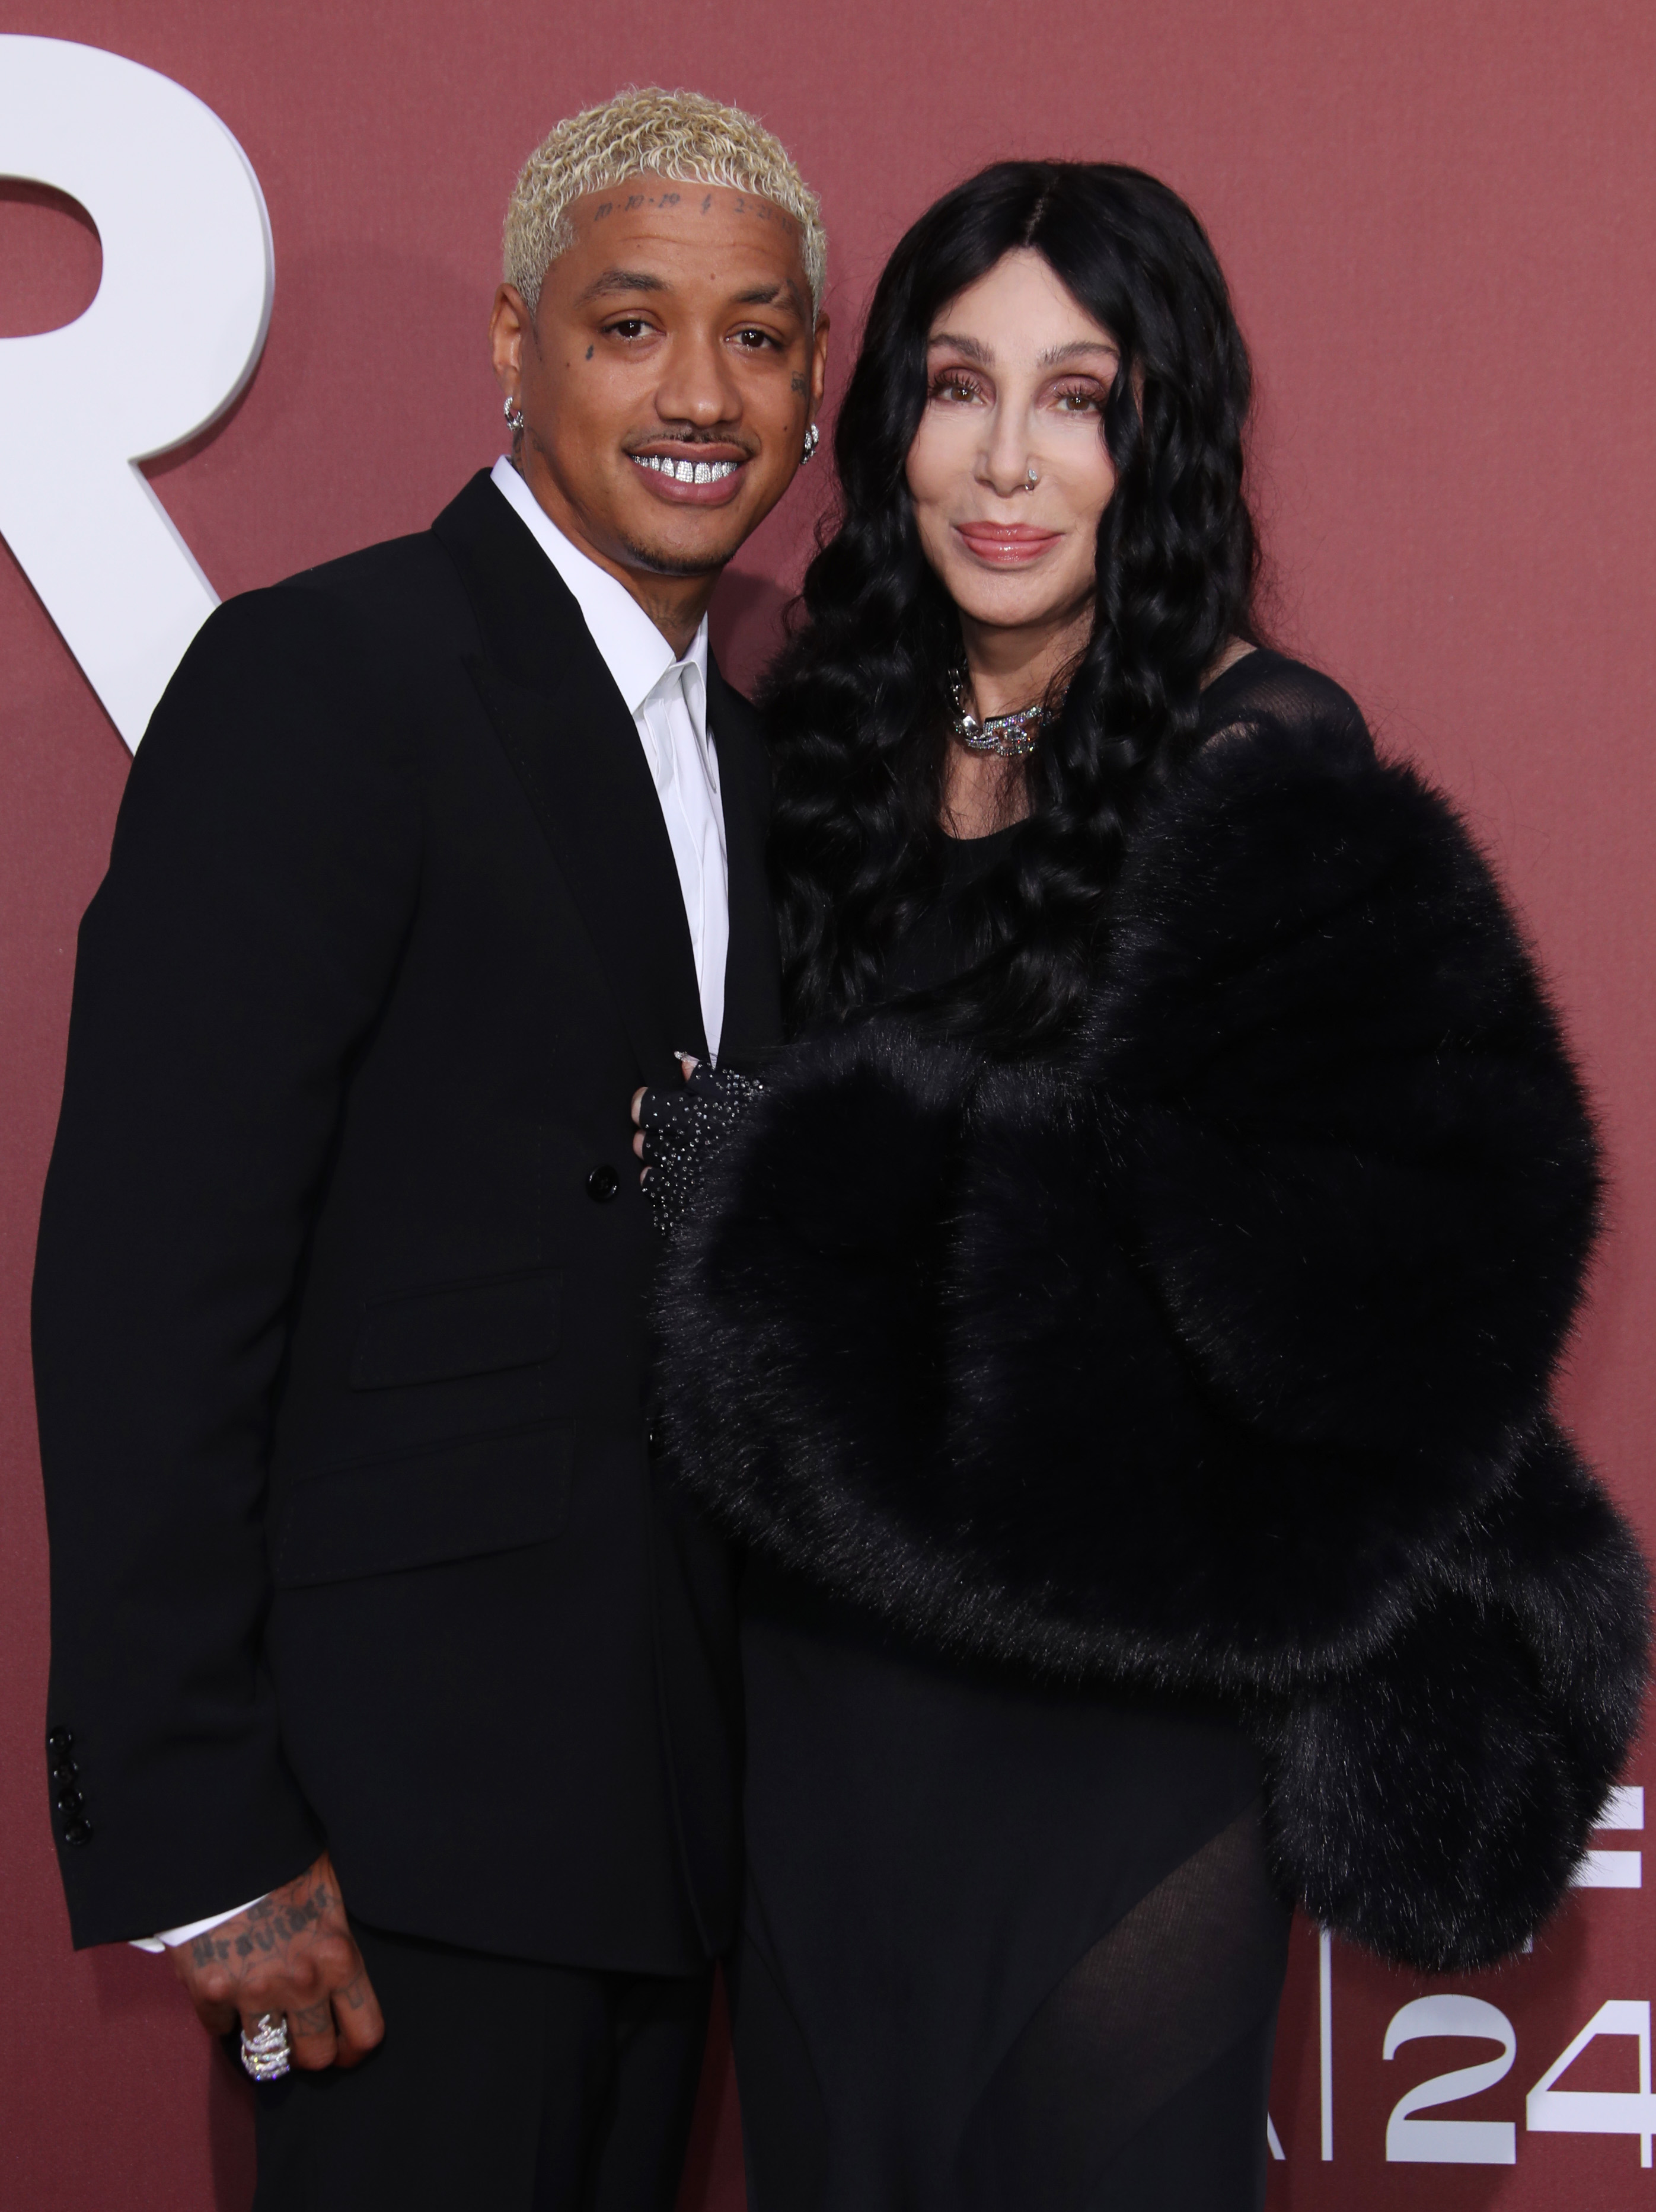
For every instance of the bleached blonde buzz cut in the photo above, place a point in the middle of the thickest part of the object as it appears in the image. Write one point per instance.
(683, 136)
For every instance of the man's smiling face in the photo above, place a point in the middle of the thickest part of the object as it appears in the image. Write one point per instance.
(668, 376)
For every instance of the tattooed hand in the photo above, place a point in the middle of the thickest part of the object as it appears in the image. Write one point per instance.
(291, 1953)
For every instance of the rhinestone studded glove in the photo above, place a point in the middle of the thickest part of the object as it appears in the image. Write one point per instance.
(683, 1129)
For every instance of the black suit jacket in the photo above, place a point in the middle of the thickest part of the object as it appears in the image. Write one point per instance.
(339, 1320)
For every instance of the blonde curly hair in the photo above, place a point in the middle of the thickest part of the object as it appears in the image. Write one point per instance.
(682, 136)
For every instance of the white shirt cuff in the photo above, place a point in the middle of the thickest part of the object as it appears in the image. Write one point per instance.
(170, 1938)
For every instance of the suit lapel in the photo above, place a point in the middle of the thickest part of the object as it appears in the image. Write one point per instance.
(753, 1007)
(569, 736)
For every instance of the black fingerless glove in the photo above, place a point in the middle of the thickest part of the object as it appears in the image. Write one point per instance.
(683, 1130)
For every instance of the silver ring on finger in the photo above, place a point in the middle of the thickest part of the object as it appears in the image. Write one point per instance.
(266, 2053)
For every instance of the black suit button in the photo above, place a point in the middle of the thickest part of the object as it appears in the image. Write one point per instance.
(63, 1773)
(78, 1831)
(655, 1437)
(602, 1182)
(60, 1741)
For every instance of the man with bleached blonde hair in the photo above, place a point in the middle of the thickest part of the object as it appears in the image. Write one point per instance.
(683, 136)
(369, 1586)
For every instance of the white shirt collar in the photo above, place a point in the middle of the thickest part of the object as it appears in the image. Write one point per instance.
(634, 651)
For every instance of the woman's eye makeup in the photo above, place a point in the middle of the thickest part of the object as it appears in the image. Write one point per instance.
(961, 386)
(955, 384)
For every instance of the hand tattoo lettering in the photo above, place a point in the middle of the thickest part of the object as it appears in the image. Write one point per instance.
(292, 1953)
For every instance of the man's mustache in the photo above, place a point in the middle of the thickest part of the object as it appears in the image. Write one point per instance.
(688, 434)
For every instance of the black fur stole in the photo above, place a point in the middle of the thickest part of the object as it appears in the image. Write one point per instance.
(1218, 1357)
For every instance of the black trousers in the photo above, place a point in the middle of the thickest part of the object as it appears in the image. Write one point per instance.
(500, 2084)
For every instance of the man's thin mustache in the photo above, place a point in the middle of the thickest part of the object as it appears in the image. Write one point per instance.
(687, 434)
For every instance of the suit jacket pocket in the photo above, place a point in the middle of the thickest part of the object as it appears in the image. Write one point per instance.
(455, 1501)
(475, 1327)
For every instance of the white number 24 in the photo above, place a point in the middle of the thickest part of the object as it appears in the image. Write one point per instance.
(1547, 2110)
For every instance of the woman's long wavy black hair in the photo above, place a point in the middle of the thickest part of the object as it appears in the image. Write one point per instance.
(855, 705)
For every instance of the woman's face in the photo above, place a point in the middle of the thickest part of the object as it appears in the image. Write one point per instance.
(1017, 373)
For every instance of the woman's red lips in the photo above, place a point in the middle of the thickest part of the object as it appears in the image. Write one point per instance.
(1007, 542)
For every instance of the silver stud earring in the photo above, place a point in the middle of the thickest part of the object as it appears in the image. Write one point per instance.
(1032, 477)
(513, 415)
(813, 439)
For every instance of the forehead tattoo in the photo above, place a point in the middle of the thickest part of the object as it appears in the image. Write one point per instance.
(746, 204)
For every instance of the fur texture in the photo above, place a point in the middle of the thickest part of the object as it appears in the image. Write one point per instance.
(1217, 1356)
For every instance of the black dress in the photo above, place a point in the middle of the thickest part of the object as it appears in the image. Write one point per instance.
(1004, 1949)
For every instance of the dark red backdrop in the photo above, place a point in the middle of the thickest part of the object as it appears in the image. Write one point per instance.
(1437, 217)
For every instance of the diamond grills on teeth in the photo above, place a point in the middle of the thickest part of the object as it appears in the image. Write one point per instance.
(687, 471)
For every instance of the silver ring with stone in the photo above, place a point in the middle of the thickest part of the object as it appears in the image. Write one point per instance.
(264, 2053)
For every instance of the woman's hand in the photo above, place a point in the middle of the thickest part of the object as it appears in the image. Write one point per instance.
(688, 1064)
(679, 1133)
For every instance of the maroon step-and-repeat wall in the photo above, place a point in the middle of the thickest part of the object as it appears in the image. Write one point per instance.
(1437, 216)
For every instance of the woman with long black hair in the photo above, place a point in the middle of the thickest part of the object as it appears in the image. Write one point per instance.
(1120, 1328)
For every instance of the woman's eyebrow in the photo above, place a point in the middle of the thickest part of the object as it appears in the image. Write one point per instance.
(970, 347)
(1054, 354)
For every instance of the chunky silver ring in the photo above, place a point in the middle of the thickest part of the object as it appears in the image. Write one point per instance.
(264, 2052)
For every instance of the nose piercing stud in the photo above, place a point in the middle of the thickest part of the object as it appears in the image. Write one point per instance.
(1032, 477)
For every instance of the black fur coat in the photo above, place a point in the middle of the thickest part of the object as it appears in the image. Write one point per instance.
(1218, 1357)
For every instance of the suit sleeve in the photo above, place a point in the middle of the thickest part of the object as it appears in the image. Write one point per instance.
(261, 883)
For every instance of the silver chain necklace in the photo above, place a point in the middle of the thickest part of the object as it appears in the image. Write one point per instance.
(1012, 736)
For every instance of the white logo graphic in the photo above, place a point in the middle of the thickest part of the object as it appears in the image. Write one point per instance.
(173, 335)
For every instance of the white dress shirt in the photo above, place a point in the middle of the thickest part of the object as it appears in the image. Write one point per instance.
(667, 701)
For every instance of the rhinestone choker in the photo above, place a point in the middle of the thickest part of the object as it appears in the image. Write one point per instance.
(1012, 736)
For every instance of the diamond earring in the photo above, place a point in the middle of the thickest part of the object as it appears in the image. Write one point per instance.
(513, 415)
(813, 439)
